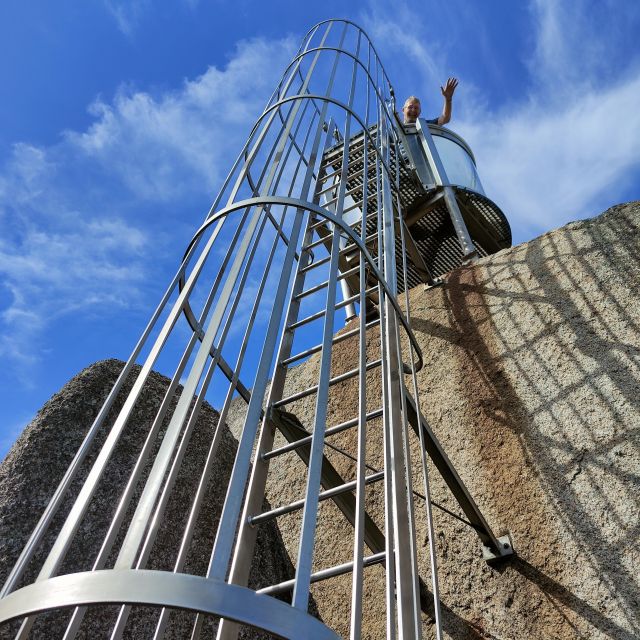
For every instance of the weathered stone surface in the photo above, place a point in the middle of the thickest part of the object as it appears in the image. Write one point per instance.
(531, 382)
(38, 460)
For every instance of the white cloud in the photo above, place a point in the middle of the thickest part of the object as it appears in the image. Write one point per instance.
(546, 166)
(127, 14)
(161, 147)
(55, 260)
(580, 43)
(565, 147)
(68, 240)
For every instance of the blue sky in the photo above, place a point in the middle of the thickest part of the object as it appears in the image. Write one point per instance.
(119, 120)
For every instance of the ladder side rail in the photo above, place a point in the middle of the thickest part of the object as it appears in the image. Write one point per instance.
(408, 610)
(218, 568)
(399, 235)
(433, 563)
(243, 551)
(300, 599)
(390, 566)
(243, 554)
(355, 628)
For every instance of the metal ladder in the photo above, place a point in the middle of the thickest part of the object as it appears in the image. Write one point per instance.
(282, 251)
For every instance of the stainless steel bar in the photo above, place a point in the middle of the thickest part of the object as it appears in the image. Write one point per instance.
(331, 381)
(468, 248)
(246, 537)
(312, 290)
(86, 492)
(355, 627)
(433, 563)
(199, 494)
(329, 432)
(300, 599)
(339, 338)
(240, 567)
(408, 609)
(184, 440)
(130, 545)
(227, 526)
(299, 504)
(226, 529)
(307, 320)
(367, 561)
(316, 243)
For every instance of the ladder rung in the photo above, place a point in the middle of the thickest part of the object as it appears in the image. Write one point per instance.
(356, 204)
(347, 301)
(348, 192)
(308, 292)
(313, 265)
(315, 243)
(320, 223)
(329, 432)
(319, 314)
(324, 574)
(334, 185)
(322, 285)
(349, 272)
(306, 320)
(352, 248)
(343, 252)
(311, 390)
(323, 495)
(343, 336)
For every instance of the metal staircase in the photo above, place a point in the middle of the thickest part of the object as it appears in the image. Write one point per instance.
(326, 211)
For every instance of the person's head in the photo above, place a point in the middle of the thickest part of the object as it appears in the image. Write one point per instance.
(411, 109)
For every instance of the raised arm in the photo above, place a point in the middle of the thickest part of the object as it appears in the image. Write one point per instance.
(447, 92)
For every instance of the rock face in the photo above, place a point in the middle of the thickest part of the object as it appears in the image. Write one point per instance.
(36, 463)
(531, 383)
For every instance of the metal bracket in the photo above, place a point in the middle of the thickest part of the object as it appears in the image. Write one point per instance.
(505, 547)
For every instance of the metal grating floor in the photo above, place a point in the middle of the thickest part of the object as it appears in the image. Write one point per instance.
(431, 231)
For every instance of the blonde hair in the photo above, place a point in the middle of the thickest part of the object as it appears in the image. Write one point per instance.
(411, 99)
